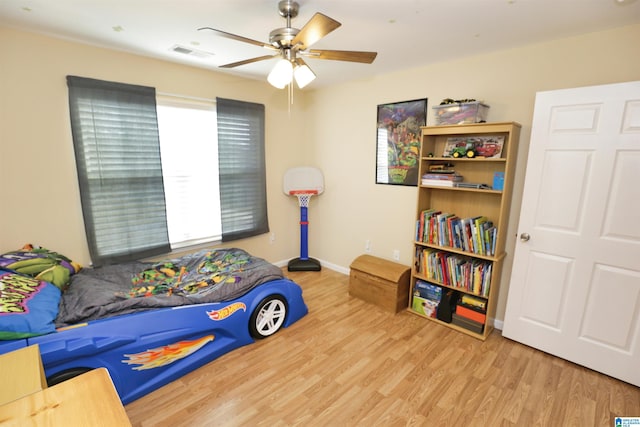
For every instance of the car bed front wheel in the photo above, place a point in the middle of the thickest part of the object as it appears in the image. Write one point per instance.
(268, 317)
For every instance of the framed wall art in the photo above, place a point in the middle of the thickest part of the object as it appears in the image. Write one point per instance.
(398, 141)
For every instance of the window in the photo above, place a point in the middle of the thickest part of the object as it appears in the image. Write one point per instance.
(130, 212)
(189, 149)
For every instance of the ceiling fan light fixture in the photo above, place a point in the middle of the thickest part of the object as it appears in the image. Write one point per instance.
(288, 42)
(281, 74)
(303, 75)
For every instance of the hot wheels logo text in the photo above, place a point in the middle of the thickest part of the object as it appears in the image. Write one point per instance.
(227, 311)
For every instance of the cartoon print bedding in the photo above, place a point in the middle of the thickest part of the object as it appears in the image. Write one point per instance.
(31, 281)
(41, 263)
(28, 306)
(41, 290)
(203, 277)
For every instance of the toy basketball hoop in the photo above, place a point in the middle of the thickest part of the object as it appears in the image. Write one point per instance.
(303, 183)
(304, 196)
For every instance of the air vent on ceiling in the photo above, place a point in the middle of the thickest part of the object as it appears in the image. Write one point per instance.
(191, 52)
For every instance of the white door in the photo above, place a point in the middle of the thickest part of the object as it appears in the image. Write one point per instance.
(575, 286)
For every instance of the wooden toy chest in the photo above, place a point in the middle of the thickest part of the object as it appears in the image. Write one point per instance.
(380, 282)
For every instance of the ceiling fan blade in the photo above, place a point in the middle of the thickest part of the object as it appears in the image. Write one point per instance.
(240, 38)
(318, 26)
(248, 61)
(342, 55)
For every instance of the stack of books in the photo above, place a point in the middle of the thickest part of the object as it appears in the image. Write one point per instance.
(441, 175)
(441, 179)
(471, 313)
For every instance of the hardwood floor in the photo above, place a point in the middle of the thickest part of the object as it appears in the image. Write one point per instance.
(349, 363)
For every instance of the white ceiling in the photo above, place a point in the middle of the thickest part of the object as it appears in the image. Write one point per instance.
(405, 33)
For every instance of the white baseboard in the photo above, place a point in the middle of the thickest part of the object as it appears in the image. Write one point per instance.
(327, 264)
(280, 263)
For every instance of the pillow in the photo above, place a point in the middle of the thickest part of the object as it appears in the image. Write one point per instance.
(42, 264)
(28, 307)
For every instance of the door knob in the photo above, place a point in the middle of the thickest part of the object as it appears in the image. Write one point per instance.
(525, 237)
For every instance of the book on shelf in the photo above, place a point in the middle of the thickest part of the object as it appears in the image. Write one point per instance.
(474, 301)
(438, 183)
(423, 224)
(471, 314)
(424, 306)
(426, 298)
(444, 168)
(428, 290)
(477, 230)
(442, 180)
(468, 324)
(453, 270)
(475, 235)
(475, 185)
(443, 176)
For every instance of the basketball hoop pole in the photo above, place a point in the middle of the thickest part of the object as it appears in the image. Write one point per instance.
(304, 263)
(304, 234)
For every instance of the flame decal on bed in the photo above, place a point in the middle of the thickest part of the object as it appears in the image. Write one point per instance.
(161, 356)
(227, 311)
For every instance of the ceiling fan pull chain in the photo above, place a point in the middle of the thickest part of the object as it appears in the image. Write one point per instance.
(290, 97)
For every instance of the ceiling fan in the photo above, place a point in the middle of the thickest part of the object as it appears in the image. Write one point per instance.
(291, 44)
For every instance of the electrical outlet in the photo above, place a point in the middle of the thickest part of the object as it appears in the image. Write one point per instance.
(396, 254)
(367, 246)
(272, 238)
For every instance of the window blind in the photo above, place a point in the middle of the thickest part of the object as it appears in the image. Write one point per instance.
(115, 136)
(242, 172)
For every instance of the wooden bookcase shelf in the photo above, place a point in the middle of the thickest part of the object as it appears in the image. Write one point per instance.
(465, 203)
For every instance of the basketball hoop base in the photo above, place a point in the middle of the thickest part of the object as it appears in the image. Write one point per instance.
(308, 264)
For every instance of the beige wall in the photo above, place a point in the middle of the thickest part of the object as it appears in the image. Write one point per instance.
(354, 209)
(40, 188)
(332, 128)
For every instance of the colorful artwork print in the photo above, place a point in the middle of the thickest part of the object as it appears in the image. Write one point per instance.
(398, 141)
(161, 356)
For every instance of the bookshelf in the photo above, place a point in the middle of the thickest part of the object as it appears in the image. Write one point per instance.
(460, 236)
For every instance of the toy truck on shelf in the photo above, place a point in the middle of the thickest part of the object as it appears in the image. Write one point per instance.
(473, 147)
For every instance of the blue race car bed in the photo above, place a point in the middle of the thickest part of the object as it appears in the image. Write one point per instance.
(148, 324)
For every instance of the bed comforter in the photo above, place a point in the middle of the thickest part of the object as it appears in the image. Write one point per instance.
(203, 277)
